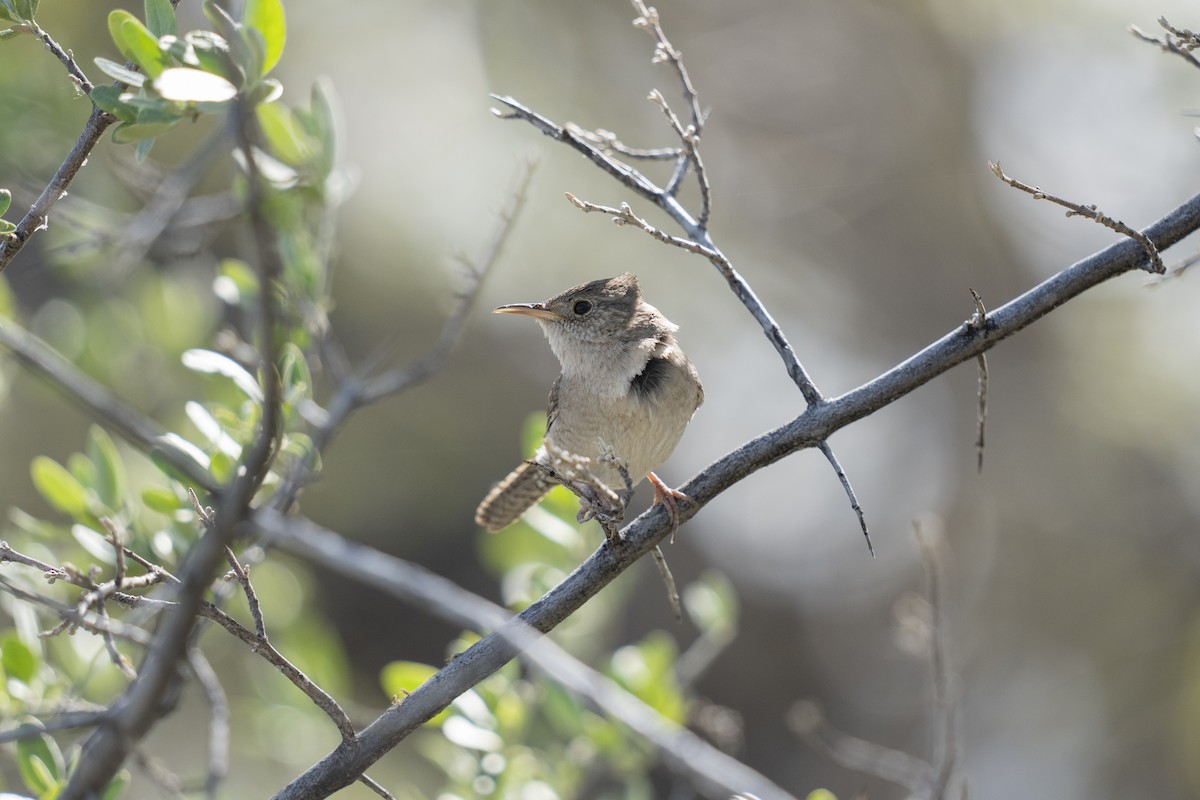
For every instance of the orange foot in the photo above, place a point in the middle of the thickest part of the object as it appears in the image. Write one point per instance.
(670, 498)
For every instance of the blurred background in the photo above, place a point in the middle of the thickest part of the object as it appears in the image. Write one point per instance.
(847, 149)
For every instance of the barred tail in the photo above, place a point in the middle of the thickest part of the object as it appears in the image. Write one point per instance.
(513, 496)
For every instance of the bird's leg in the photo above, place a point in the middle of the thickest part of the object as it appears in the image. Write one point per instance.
(670, 498)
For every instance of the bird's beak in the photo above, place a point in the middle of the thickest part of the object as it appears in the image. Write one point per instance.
(535, 310)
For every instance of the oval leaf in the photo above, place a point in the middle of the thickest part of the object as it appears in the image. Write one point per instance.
(160, 17)
(40, 762)
(107, 97)
(213, 363)
(193, 86)
(401, 677)
(60, 488)
(266, 17)
(19, 660)
(136, 42)
(5, 201)
(110, 468)
(137, 132)
(120, 72)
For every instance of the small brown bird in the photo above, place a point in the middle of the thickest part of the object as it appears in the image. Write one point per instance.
(617, 410)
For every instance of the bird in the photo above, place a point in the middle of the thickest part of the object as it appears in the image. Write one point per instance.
(618, 408)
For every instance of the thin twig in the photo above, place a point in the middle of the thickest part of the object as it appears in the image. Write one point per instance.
(1178, 42)
(218, 725)
(608, 142)
(845, 481)
(945, 744)
(67, 720)
(35, 218)
(808, 722)
(68, 60)
(408, 376)
(1090, 212)
(664, 572)
(979, 323)
(242, 574)
(623, 215)
(89, 621)
(369, 385)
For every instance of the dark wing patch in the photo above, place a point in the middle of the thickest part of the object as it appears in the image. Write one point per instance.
(552, 411)
(648, 383)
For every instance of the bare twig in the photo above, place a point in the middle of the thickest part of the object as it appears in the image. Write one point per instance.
(218, 725)
(368, 385)
(404, 378)
(1090, 212)
(945, 744)
(66, 720)
(668, 579)
(76, 74)
(807, 721)
(242, 574)
(608, 142)
(979, 323)
(89, 621)
(1180, 42)
(624, 215)
(827, 451)
(35, 218)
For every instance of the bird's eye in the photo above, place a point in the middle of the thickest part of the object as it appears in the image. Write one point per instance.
(582, 307)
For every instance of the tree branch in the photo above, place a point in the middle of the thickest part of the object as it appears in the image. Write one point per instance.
(712, 772)
(810, 429)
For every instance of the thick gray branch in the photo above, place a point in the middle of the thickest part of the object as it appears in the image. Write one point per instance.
(814, 426)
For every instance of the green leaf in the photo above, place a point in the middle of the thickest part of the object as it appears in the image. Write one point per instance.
(820, 794)
(27, 8)
(19, 659)
(136, 42)
(162, 500)
(40, 763)
(294, 373)
(220, 19)
(5, 201)
(324, 125)
(142, 149)
(107, 97)
(120, 72)
(210, 52)
(266, 17)
(116, 786)
(110, 468)
(7, 33)
(6, 226)
(160, 17)
(9, 12)
(712, 604)
(186, 85)
(60, 488)
(286, 138)
(127, 133)
(213, 363)
(399, 678)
